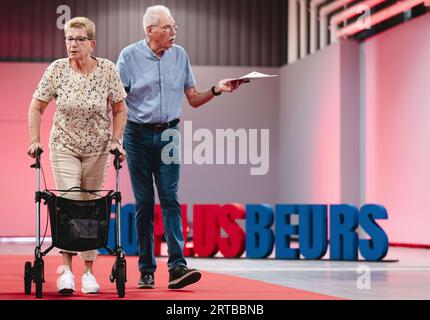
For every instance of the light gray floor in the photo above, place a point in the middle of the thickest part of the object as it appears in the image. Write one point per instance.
(408, 278)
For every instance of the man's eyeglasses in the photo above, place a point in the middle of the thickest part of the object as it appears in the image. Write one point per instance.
(79, 40)
(170, 29)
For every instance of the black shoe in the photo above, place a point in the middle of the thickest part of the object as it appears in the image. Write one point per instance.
(146, 280)
(181, 276)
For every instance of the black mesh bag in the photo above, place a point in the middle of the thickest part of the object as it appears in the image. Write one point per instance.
(79, 225)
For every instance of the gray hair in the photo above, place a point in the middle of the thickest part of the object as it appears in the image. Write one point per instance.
(152, 14)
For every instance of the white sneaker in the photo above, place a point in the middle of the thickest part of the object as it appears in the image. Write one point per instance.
(66, 280)
(89, 283)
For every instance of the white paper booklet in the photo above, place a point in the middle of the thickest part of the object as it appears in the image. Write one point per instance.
(256, 75)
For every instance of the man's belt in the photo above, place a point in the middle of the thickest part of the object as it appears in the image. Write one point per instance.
(157, 127)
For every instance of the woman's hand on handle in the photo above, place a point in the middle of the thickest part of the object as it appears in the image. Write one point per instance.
(122, 153)
(32, 149)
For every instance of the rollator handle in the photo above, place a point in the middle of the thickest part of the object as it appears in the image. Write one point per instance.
(116, 161)
(37, 154)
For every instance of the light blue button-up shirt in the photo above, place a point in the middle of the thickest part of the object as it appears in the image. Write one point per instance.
(155, 86)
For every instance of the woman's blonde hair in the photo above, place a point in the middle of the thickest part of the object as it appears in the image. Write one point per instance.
(82, 23)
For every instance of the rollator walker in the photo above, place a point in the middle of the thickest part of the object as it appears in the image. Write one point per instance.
(77, 225)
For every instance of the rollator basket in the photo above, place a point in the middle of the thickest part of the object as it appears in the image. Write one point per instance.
(79, 225)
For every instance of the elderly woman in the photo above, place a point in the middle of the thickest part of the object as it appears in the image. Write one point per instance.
(86, 89)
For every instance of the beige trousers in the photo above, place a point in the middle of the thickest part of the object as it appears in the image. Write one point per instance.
(74, 171)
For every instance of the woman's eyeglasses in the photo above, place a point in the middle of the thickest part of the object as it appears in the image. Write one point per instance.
(79, 40)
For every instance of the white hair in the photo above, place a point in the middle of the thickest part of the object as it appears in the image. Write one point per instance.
(152, 15)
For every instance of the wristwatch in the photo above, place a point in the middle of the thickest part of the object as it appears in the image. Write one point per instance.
(116, 140)
(214, 92)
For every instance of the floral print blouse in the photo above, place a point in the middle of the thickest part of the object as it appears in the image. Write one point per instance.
(81, 121)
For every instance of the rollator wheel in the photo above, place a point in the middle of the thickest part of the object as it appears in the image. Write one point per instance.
(38, 278)
(27, 278)
(120, 279)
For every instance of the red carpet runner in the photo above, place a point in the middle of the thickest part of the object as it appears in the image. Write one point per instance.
(212, 286)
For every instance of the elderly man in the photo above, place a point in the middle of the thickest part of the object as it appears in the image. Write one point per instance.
(156, 73)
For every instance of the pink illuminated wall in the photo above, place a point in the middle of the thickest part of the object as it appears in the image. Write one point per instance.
(18, 81)
(396, 74)
(340, 145)
(318, 125)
